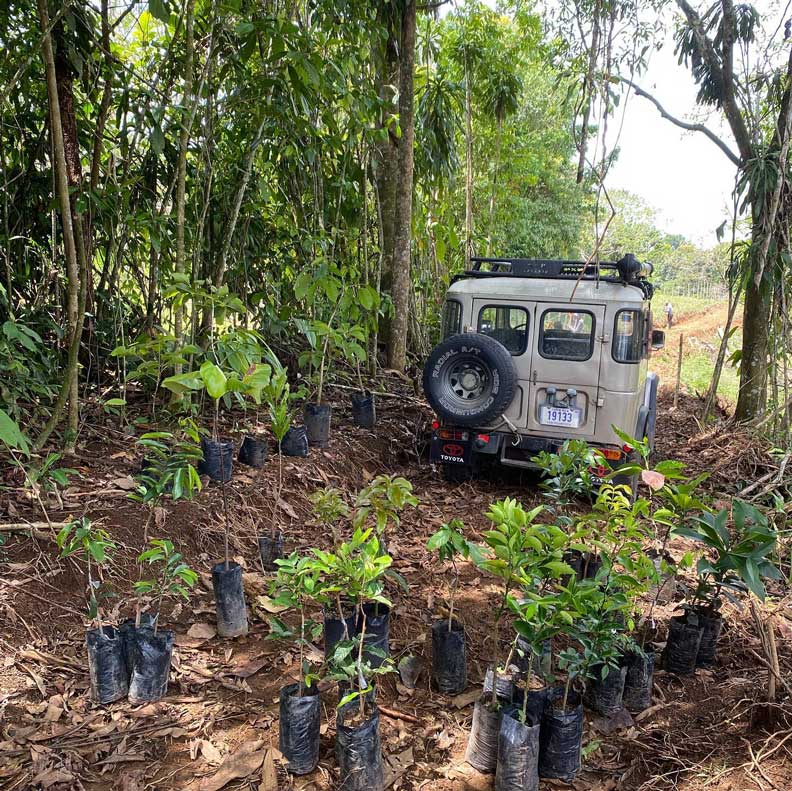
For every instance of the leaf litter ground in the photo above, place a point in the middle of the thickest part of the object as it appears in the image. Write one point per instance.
(217, 728)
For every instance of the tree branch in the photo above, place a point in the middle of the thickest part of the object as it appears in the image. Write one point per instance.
(684, 124)
(721, 67)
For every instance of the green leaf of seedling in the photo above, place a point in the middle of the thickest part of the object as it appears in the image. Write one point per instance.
(214, 379)
(182, 383)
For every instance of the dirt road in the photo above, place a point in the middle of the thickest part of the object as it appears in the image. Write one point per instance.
(701, 327)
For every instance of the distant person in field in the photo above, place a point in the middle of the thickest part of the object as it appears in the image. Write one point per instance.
(669, 314)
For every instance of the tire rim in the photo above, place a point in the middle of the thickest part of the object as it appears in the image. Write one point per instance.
(468, 380)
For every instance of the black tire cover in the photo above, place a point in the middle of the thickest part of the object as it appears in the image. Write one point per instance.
(491, 369)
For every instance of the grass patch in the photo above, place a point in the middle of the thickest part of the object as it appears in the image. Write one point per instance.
(697, 371)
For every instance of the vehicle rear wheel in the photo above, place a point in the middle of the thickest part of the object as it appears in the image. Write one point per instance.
(470, 379)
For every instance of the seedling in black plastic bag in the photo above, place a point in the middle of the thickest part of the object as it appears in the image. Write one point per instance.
(297, 584)
(357, 570)
(348, 666)
(512, 533)
(449, 543)
(567, 473)
(172, 577)
(737, 559)
(80, 539)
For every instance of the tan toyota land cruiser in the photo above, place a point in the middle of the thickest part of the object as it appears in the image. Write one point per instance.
(535, 352)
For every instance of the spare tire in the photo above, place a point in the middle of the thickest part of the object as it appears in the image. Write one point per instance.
(469, 379)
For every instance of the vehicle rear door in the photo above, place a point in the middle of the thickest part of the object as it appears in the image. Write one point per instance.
(512, 325)
(565, 362)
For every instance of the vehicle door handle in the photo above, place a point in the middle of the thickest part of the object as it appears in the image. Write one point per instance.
(533, 377)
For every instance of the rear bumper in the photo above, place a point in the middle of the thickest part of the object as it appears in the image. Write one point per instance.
(469, 447)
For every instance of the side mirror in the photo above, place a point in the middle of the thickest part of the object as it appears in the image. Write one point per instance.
(658, 339)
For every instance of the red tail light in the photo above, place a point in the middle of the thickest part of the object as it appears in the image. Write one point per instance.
(453, 433)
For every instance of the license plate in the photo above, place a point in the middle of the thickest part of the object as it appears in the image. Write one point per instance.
(559, 416)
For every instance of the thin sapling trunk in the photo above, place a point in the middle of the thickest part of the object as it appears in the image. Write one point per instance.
(359, 376)
(225, 514)
(225, 499)
(566, 693)
(361, 695)
(139, 604)
(496, 648)
(528, 680)
(452, 595)
(320, 387)
(300, 677)
(341, 616)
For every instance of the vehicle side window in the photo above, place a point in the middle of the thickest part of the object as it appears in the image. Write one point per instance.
(452, 318)
(506, 324)
(628, 336)
(567, 335)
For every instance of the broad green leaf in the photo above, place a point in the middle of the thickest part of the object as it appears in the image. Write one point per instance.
(214, 379)
(11, 435)
(181, 383)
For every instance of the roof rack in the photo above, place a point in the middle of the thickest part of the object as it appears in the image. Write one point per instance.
(627, 270)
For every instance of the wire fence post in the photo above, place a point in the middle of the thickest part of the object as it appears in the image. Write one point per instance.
(679, 370)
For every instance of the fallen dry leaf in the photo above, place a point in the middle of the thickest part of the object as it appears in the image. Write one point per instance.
(204, 631)
(249, 668)
(210, 753)
(127, 483)
(269, 777)
(131, 781)
(149, 710)
(287, 508)
(242, 763)
(49, 777)
(173, 732)
(466, 698)
(266, 603)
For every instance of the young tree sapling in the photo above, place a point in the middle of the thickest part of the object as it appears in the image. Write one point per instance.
(168, 470)
(81, 539)
(512, 532)
(449, 543)
(172, 577)
(297, 585)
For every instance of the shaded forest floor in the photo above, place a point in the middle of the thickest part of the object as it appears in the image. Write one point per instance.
(222, 703)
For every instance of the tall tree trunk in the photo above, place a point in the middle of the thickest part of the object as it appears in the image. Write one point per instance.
(468, 166)
(397, 350)
(752, 398)
(181, 167)
(498, 142)
(66, 166)
(385, 162)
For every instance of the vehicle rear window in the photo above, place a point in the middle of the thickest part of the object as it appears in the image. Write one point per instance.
(506, 324)
(452, 318)
(567, 335)
(628, 336)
